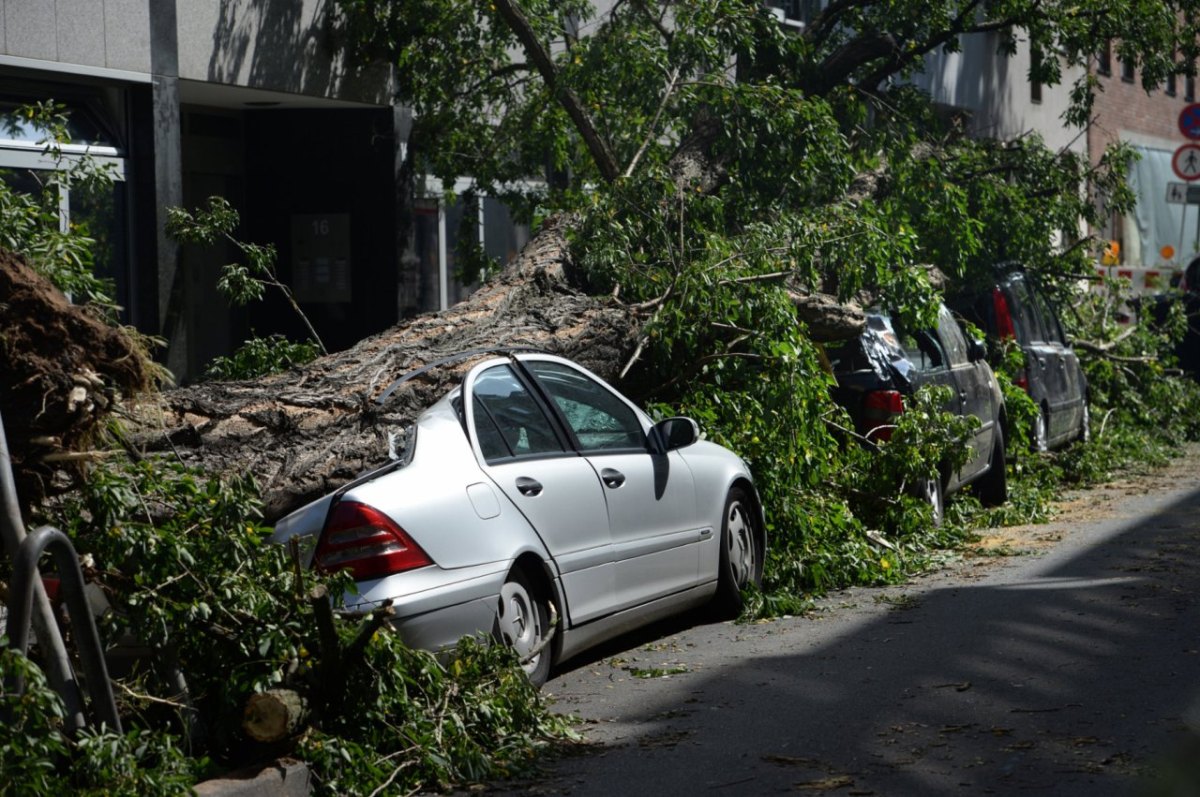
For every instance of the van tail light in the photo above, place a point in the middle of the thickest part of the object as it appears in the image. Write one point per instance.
(366, 541)
(1004, 319)
(1022, 380)
(880, 410)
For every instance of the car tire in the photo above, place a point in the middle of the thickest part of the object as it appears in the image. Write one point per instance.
(1041, 440)
(522, 622)
(741, 554)
(992, 487)
(1085, 424)
(933, 493)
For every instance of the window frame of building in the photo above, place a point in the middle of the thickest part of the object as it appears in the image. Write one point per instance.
(1104, 60)
(1035, 85)
(1128, 72)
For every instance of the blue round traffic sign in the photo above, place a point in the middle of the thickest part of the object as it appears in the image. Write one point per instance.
(1189, 121)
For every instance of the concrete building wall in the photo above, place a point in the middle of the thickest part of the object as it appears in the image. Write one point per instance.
(995, 89)
(100, 34)
(275, 45)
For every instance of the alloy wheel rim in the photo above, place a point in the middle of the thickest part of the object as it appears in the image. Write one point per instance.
(741, 544)
(519, 624)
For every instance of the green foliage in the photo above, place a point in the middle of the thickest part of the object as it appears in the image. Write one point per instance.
(1142, 407)
(261, 356)
(189, 575)
(37, 758)
(33, 225)
(184, 563)
(411, 720)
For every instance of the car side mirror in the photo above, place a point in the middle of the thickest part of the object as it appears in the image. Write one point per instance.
(976, 351)
(677, 432)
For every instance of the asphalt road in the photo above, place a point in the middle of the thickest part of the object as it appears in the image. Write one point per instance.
(1060, 659)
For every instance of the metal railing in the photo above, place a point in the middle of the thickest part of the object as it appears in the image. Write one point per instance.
(30, 609)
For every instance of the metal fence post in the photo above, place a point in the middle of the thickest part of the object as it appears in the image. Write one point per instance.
(54, 651)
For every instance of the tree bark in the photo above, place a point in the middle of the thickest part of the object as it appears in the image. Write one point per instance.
(310, 430)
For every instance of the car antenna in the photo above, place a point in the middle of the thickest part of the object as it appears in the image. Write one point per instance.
(453, 358)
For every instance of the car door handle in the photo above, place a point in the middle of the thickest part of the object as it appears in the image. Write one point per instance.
(612, 478)
(962, 394)
(528, 486)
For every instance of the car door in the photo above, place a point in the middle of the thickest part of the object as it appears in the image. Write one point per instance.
(527, 457)
(1043, 360)
(651, 497)
(1064, 376)
(973, 382)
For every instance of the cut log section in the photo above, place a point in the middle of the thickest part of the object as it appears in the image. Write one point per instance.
(274, 715)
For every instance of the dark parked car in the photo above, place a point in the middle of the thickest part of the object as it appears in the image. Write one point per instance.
(1014, 308)
(877, 371)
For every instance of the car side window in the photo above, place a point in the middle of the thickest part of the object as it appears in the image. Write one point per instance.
(922, 350)
(952, 338)
(508, 421)
(599, 419)
(1048, 319)
(1026, 312)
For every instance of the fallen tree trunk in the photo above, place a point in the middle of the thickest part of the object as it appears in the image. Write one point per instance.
(310, 430)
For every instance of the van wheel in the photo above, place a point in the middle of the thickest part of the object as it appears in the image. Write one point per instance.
(992, 487)
(1085, 424)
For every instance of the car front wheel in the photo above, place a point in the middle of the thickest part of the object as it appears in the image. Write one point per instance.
(522, 622)
(740, 561)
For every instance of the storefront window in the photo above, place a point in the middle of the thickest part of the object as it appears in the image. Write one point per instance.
(95, 209)
(435, 266)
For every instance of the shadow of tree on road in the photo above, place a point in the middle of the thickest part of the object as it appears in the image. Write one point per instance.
(1074, 678)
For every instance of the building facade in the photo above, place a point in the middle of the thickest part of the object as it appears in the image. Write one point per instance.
(1160, 233)
(250, 101)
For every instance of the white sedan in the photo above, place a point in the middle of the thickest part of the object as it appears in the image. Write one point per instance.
(536, 504)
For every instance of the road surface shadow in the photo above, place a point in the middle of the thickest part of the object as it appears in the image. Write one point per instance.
(1070, 675)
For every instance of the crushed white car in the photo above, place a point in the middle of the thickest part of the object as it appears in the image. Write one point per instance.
(536, 504)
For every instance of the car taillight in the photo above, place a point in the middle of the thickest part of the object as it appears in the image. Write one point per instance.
(367, 542)
(1004, 319)
(880, 408)
(1022, 380)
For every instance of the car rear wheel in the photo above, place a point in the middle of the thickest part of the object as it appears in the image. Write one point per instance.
(993, 485)
(740, 561)
(1085, 424)
(931, 492)
(522, 621)
(1041, 441)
